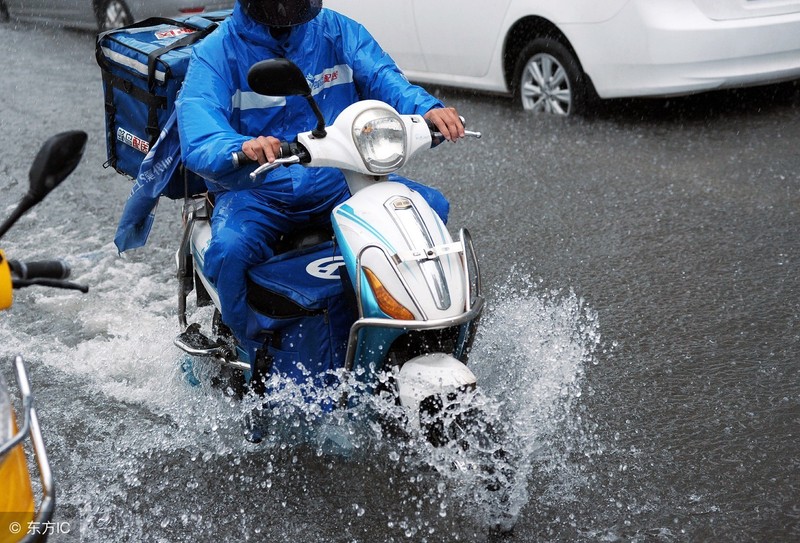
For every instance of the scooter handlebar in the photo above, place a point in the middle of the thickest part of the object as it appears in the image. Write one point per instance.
(439, 138)
(288, 149)
(240, 159)
(40, 269)
(290, 153)
(46, 273)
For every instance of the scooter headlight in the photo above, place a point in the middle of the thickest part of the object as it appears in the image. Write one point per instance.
(380, 137)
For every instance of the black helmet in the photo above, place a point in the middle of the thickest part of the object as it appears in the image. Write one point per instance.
(282, 13)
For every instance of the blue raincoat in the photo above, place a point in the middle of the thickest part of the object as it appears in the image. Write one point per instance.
(217, 113)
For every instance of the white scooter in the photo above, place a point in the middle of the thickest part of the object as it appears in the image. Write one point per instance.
(416, 290)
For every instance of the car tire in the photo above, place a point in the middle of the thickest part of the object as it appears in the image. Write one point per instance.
(4, 16)
(113, 14)
(549, 79)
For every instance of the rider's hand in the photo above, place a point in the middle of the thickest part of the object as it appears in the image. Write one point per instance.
(447, 122)
(262, 149)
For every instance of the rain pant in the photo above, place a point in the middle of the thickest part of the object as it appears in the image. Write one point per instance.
(217, 113)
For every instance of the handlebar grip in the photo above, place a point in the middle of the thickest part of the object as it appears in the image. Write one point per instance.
(240, 159)
(40, 269)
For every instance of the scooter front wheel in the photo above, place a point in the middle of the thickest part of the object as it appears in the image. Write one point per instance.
(477, 448)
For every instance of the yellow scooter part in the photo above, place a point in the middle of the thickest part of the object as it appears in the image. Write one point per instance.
(16, 500)
(6, 284)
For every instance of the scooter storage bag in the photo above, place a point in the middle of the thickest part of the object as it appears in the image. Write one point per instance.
(299, 307)
(143, 66)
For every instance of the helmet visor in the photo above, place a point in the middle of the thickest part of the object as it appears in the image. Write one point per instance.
(282, 13)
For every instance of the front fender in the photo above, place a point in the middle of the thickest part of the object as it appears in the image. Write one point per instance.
(429, 375)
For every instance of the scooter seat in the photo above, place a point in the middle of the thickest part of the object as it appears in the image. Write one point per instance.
(303, 239)
(297, 283)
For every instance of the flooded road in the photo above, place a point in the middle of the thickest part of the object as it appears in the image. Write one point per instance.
(642, 335)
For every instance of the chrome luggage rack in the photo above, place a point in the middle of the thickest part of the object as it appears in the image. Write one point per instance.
(30, 427)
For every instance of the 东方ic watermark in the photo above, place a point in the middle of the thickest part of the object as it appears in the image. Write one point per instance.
(39, 528)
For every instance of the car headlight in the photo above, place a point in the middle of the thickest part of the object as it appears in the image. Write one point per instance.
(380, 137)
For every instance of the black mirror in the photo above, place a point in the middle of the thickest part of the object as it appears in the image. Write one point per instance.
(57, 158)
(282, 77)
(278, 77)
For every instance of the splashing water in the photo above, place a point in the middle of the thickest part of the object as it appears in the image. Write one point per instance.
(136, 446)
(532, 354)
(521, 421)
(529, 360)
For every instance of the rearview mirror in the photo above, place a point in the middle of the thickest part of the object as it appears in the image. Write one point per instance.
(282, 77)
(57, 158)
(278, 77)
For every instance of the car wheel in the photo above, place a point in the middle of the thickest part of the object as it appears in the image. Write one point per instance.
(113, 14)
(4, 17)
(549, 79)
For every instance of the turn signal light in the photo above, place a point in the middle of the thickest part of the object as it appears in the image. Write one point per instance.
(6, 285)
(386, 301)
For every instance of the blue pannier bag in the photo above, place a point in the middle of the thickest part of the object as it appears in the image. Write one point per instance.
(143, 66)
(297, 300)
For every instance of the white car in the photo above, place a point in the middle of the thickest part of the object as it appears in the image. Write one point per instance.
(556, 55)
(103, 14)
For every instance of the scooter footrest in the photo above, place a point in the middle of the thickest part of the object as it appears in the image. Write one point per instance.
(195, 342)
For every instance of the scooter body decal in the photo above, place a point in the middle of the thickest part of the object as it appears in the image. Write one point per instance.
(347, 212)
(326, 268)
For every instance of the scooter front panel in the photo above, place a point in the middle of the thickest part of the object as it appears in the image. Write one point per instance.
(379, 227)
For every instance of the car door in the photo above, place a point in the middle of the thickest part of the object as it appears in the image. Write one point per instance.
(459, 37)
(391, 22)
(68, 11)
(26, 8)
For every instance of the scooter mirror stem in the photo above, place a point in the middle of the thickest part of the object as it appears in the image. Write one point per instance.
(24, 205)
(319, 131)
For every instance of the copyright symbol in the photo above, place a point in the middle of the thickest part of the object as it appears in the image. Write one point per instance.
(15, 527)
